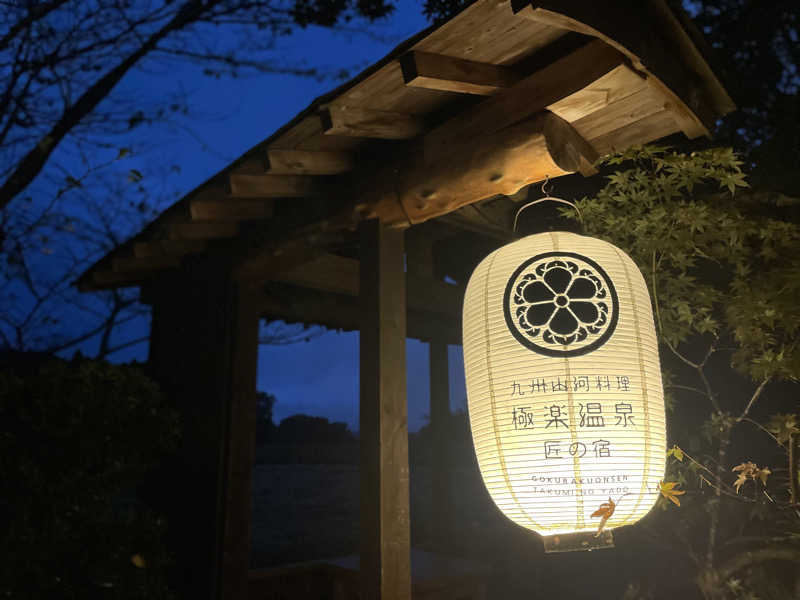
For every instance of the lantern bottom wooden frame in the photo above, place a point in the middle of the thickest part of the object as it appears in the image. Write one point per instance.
(573, 542)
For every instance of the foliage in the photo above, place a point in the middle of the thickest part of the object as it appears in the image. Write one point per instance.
(721, 262)
(730, 257)
(308, 429)
(76, 440)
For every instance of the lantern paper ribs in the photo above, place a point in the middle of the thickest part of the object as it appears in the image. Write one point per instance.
(564, 383)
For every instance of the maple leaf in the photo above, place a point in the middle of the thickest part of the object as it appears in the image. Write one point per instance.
(763, 474)
(676, 452)
(604, 512)
(749, 470)
(669, 492)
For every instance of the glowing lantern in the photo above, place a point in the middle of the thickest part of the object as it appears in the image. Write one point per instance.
(563, 383)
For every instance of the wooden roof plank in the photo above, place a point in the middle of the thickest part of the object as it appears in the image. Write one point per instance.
(483, 32)
(611, 87)
(618, 114)
(652, 127)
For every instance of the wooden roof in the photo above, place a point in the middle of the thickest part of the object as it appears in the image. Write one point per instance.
(501, 96)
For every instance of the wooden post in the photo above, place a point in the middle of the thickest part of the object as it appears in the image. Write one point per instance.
(440, 463)
(385, 536)
(204, 343)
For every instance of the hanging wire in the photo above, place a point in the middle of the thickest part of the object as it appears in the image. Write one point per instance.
(547, 198)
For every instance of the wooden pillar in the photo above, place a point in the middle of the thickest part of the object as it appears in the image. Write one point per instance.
(204, 344)
(440, 411)
(385, 566)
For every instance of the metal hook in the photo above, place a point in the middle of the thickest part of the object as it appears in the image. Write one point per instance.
(544, 185)
(546, 199)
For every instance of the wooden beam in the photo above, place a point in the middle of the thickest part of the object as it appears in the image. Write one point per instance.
(304, 162)
(438, 72)
(354, 121)
(328, 272)
(231, 210)
(202, 231)
(244, 185)
(385, 564)
(436, 183)
(168, 248)
(203, 354)
(292, 304)
(636, 30)
(340, 275)
(440, 452)
(239, 440)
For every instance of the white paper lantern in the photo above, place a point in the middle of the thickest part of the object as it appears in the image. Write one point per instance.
(563, 383)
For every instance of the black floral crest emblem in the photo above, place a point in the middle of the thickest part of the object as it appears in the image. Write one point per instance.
(561, 304)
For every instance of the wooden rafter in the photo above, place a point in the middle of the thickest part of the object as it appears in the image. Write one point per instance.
(355, 121)
(231, 209)
(152, 263)
(305, 162)
(202, 231)
(445, 73)
(168, 248)
(249, 185)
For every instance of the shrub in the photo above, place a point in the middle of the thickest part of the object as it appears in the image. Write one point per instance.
(77, 439)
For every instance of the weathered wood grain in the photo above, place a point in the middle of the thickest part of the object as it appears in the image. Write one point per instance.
(355, 121)
(245, 185)
(438, 72)
(385, 565)
(304, 162)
